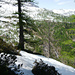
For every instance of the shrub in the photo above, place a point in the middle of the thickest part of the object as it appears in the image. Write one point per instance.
(7, 64)
(5, 47)
(41, 68)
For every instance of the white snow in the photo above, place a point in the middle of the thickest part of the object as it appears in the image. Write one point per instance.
(65, 12)
(28, 59)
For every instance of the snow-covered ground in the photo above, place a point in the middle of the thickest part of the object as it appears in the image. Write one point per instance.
(28, 59)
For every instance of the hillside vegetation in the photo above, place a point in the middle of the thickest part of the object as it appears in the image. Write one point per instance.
(53, 39)
(61, 38)
(7, 48)
(64, 34)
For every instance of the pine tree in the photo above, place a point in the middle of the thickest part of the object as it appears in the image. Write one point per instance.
(27, 27)
(21, 36)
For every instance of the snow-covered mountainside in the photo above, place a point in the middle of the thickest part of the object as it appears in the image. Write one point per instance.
(28, 60)
(64, 12)
(8, 7)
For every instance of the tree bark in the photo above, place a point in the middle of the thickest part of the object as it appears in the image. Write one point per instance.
(21, 36)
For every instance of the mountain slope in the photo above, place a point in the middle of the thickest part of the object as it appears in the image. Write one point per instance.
(9, 7)
(58, 41)
(8, 20)
(64, 12)
(28, 60)
(9, 30)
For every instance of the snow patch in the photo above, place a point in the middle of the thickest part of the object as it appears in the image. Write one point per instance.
(28, 60)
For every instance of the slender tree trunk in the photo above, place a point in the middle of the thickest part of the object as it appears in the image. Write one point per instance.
(21, 36)
(49, 40)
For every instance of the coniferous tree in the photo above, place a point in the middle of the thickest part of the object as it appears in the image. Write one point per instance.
(27, 27)
(21, 36)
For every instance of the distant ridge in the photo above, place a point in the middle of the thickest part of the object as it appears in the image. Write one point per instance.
(65, 12)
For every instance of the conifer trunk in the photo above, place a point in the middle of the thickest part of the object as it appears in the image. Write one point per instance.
(21, 36)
